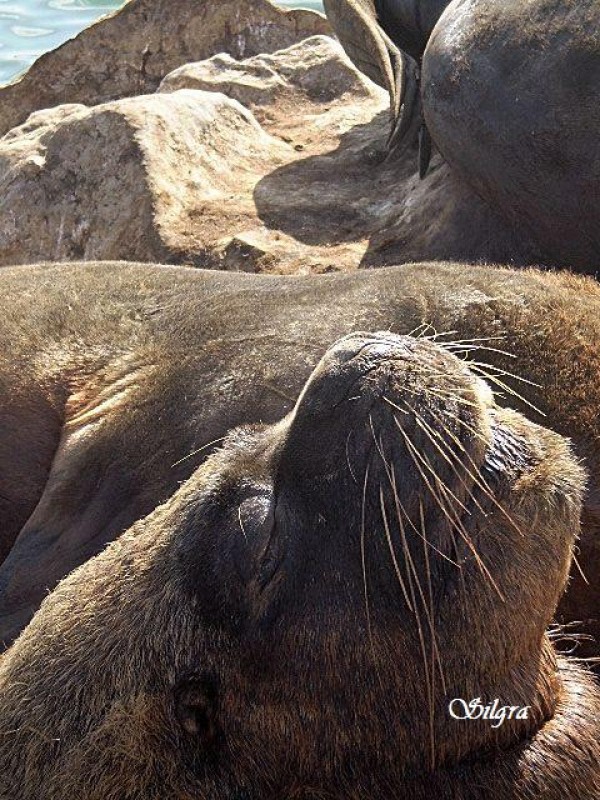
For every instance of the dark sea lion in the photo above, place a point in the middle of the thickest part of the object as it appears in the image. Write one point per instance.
(300, 618)
(509, 93)
(116, 379)
(511, 97)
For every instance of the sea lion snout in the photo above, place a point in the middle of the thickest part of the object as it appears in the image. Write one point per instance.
(373, 363)
(372, 391)
(401, 455)
(311, 598)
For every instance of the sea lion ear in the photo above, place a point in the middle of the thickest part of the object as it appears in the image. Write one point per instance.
(195, 698)
(374, 53)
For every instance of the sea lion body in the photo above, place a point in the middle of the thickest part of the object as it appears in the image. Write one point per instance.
(509, 95)
(386, 40)
(294, 621)
(511, 98)
(118, 380)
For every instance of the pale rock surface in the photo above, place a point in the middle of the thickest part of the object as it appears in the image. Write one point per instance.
(147, 178)
(173, 176)
(129, 52)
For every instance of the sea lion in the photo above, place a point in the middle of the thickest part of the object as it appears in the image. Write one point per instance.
(509, 94)
(312, 612)
(117, 379)
(511, 97)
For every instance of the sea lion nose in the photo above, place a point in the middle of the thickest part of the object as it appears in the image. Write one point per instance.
(346, 365)
(380, 344)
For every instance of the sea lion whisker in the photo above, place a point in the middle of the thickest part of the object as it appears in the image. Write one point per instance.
(413, 526)
(388, 536)
(441, 394)
(464, 350)
(483, 367)
(446, 452)
(429, 680)
(199, 450)
(241, 522)
(467, 345)
(436, 658)
(428, 466)
(389, 468)
(506, 388)
(434, 646)
(414, 457)
(401, 512)
(461, 422)
(348, 457)
(423, 336)
(419, 331)
(476, 475)
(580, 569)
(389, 471)
(363, 558)
(452, 517)
(437, 334)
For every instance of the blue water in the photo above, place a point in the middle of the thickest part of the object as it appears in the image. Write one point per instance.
(31, 27)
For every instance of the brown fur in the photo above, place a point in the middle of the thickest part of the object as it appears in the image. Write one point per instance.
(251, 577)
(113, 376)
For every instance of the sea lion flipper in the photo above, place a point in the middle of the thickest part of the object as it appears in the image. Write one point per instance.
(356, 25)
(406, 108)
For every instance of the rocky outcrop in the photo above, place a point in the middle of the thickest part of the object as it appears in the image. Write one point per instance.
(233, 154)
(130, 52)
(272, 163)
(176, 176)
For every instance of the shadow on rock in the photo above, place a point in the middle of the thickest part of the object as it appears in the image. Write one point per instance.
(353, 193)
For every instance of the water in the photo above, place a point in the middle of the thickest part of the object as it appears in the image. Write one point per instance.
(31, 27)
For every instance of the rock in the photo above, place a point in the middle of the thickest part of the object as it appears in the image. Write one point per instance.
(177, 176)
(152, 178)
(128, 53)
(316, 68)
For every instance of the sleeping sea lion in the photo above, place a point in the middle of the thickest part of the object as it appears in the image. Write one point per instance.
(349, 603)
(117, 380)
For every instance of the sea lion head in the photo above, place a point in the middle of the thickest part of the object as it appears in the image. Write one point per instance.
(294, 621)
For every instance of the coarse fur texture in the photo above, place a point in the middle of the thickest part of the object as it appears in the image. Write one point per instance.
(294, 620)
(118, 379)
